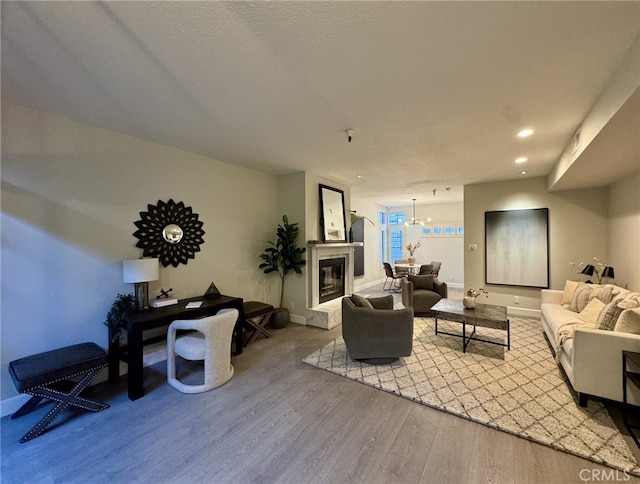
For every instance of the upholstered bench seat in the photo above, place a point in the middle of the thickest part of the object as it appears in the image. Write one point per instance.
(41, 376)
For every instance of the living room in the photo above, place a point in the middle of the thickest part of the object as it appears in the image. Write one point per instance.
(72, 189)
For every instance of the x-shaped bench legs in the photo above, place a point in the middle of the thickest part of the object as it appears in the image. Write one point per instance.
(258, 324)
(64, 399)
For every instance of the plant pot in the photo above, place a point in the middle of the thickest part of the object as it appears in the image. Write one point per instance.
(469, 302)
(280, 318)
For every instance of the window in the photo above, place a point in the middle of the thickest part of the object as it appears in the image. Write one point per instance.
(396, 245)
(445, 230)
(383, 237)
(396, 218)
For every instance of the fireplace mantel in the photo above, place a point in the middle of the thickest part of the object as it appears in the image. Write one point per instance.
(319, 252)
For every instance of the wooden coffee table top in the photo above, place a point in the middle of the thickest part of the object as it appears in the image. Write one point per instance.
(484, 315)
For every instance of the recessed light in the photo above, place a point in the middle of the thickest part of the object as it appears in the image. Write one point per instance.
(359, 175)
(522, 159)
(523, 172)
(525, 133)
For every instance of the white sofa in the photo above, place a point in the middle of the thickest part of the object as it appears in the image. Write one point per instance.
(592, 359)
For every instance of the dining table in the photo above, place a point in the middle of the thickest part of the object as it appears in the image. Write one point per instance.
(412, 268)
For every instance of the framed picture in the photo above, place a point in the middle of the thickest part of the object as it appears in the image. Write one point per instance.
(517, 247)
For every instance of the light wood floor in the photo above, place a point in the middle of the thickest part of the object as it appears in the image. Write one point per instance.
(277, 420)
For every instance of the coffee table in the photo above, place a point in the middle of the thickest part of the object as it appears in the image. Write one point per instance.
(484, 315)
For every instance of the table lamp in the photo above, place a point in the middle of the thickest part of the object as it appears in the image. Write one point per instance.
(140, 272)
(609, 272)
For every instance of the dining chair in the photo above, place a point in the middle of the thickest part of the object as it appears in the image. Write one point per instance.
(388, 270)
(401, 271)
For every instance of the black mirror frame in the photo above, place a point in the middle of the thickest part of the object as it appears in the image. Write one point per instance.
(151, 237)
(323, 218)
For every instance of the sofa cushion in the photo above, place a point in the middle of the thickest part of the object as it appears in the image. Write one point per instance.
(422, 282)
(361, 302)
(628, 321)
(591, 311)
(555, 316)
(569, 290)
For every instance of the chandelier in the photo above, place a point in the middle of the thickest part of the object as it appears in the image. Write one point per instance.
(413, 220)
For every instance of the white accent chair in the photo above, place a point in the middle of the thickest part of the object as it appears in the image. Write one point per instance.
(211, 342)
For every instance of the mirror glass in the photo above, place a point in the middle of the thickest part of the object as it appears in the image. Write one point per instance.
(332, 216)
(172, 233)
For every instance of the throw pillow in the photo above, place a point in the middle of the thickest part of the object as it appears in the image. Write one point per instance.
(604, 293)
(611, 312)
(569, 289)
(422, 282)
(616, 290)
(581, 297)
(361, 302)
(591, 311)
(628, 321)
(426, 269)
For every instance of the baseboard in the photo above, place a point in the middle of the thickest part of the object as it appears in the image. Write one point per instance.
(523, 312)
(11, 405)
(362, 287)
(295, 318)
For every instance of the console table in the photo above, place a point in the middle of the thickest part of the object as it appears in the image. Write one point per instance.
(137, 323)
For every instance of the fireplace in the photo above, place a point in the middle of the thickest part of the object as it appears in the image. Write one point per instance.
(331, 281)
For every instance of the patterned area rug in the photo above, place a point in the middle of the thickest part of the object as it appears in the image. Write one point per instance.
(521, 391)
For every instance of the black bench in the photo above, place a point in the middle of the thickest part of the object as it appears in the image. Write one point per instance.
(47, 375)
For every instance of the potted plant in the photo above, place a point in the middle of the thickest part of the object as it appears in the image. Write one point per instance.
(412, 248)
(123, 305)
(283, 256)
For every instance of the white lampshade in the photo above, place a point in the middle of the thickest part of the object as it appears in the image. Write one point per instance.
(140, 270)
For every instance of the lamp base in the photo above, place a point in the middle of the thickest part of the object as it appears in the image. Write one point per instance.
(142, 295)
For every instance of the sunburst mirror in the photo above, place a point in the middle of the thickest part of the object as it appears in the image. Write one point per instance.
(169, 231)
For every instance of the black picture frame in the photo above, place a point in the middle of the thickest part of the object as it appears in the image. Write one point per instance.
(169, 231)
(333, 219)
(517, 248)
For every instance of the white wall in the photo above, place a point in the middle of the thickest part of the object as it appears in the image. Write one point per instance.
(578, 231)
(70, 195)
(292, 193)
(624, 231)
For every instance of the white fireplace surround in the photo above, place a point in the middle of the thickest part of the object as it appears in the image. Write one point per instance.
(320, 252)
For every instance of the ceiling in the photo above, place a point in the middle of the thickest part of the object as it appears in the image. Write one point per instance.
(434, 91)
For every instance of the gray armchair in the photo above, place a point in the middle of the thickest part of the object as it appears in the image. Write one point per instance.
(374, 332)
(422, 292)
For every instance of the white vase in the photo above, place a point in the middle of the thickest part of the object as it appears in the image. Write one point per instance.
(469, 302)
